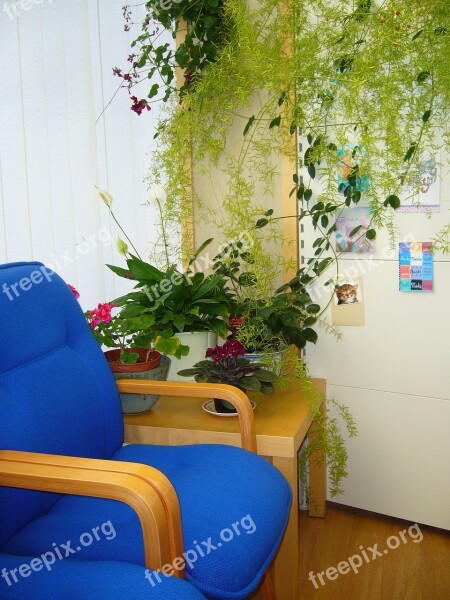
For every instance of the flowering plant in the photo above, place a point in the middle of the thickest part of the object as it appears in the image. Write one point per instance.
(127, 329)
(227, 365)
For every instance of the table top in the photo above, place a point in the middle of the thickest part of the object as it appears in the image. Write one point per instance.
(281, 421)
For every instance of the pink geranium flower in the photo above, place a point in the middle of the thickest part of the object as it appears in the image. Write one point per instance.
(101, 314)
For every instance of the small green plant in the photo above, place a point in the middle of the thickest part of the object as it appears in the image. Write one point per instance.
(227, 364)
(284, 317)
(330, 438)
(178, 302)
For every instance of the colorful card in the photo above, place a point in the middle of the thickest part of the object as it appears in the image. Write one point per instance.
(420, 190)
(415, 267)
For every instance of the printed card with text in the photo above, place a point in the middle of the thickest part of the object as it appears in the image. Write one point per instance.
(415, 267)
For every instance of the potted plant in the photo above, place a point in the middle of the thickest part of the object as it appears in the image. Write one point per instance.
(189, 306)
(130, 336)
(266, 322)
(226, 364)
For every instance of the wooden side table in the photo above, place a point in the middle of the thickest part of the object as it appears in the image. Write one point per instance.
(282, 422)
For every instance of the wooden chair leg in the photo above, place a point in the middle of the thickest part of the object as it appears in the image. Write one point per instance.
(267, 588)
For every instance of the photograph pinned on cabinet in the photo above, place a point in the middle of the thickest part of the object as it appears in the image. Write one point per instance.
(347, 307)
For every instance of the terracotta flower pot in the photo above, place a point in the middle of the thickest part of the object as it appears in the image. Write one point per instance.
(153, 367)
(148, 359)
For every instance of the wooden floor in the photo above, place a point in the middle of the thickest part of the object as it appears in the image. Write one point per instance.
(414, 571)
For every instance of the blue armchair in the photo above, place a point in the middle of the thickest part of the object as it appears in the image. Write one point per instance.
(213, 513)
(70, 579)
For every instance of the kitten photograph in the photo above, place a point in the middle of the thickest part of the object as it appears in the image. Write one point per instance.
(347, 293)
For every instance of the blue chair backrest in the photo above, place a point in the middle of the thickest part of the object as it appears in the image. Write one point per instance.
(57, 392)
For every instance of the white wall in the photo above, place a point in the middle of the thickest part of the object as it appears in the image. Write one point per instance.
(56, 60)
(394, 375)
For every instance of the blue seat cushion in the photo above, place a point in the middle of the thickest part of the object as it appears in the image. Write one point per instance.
(234, 508)
(70, 579)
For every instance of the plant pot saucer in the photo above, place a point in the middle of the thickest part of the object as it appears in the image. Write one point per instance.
(209, 407)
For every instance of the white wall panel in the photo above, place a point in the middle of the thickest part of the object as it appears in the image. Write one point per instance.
(394, 375)
(399, 464)
(404, 346)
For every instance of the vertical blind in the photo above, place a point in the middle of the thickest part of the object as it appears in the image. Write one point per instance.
(56, 59)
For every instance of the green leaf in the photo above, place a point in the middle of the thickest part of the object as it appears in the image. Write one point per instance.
(308, 194)
(423, 76)
(250, 383)
(312, 171)
(313, 309)
(247, 279)
(167, 345)
(275, 122)
(199, 250)
(393, 201)
(153, 90)
(209, 284)
(410, 152)
(418, 34)
(248, 258)
(119, 271)
(289, 318)
(267, 388)
(179, 322)
(426, 115)
(282, 98)
(356, 196)
(187, 372)
(322, 265)
(129, 358)
(371, 234)
(122, 247)
(141, 270)
(310, 335)
(261, 223)
(307, 159)
(183, 350)
(355, 231)
(300, 191)
(249, 124)
(266, 376)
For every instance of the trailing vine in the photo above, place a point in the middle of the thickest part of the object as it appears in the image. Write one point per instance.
(205, 35)
(370, 75)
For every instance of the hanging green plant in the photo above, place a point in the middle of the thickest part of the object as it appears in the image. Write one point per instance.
(204, 37)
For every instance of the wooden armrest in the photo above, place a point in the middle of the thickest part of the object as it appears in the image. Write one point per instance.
(201, 390)
(145, 489)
